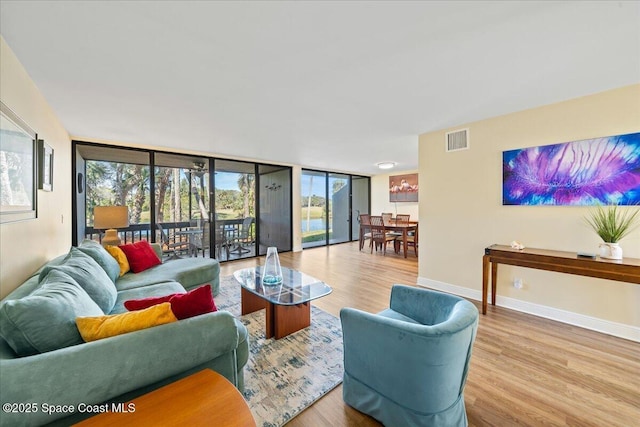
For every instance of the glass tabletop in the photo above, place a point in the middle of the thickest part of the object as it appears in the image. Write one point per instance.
(296, 287)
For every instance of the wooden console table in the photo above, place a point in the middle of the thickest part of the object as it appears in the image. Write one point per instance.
(625, 270)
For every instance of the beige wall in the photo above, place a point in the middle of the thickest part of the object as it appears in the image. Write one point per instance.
(461, 212)
(26, 245)
(380, 196)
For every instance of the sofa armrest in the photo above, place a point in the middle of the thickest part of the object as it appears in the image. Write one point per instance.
(94, 372)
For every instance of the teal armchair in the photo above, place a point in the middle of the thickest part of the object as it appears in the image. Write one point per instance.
(408, 365)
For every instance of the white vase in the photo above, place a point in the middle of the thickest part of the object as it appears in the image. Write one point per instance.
(610, 251)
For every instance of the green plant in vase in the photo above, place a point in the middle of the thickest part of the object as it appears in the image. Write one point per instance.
(612, 224)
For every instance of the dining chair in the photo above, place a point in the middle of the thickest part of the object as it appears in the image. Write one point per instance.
(386, 217)
(171, 248)
(412, 240)
(379, 235)
(365, 230)
(221, 239)
(244, 236)
(402, 218)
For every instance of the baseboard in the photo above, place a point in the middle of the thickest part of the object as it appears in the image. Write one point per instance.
(593, 323)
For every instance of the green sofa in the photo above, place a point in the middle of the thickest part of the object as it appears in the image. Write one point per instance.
(59, 386)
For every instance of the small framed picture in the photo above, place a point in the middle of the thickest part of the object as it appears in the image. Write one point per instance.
(45, 166)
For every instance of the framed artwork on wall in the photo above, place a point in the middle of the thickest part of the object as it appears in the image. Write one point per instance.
(603, 171)
(17, 168)
(403, 188)
(45, 166)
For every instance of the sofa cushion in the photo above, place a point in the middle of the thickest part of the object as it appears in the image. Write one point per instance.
(45, 320)
(120, 258)
(184, 305)
(102, 257)
(93, 279)
(140, 255)
(157, 290)
(190, 272)
(96, 328)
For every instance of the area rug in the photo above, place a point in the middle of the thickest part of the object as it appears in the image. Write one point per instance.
(285, 376)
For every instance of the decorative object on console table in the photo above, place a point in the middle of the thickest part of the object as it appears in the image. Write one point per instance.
(110, 218)
(272, 272)
(45, 166)
(612, 225)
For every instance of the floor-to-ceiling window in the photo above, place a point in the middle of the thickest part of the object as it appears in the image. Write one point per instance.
(108, 176)
(182, 204)
(235, 207)
(339, 208)
(178, 201)
(314, 208)
(328, 201)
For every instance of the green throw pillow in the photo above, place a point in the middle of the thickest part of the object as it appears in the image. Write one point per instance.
(89, 275)
(45, 320)
(102, 257)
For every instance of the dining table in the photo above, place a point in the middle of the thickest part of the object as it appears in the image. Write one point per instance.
(403, 227)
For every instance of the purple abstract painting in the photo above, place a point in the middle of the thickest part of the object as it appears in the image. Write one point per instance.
(592, 171)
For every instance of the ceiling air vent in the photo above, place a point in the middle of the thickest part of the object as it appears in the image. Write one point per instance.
(457, 140)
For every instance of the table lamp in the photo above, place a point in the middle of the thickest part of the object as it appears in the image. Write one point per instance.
(109, 218)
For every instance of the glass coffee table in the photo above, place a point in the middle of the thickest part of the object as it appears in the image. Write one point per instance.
(288, 305)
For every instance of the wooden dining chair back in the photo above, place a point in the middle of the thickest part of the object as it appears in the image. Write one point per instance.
(379, 234)
(365, 229)
(402, 218)
(386, 217)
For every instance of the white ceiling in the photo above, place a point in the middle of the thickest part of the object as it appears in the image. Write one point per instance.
(328, 85)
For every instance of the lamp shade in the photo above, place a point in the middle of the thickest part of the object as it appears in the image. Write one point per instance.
(105, 217)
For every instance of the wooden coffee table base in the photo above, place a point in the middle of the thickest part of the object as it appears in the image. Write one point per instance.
(280, 320)
(203, 399)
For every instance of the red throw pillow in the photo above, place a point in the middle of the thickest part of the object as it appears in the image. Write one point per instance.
(140, 255)
(193, 303)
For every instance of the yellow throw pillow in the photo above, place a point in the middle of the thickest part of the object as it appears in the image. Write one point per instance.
(119, 256)
(95, 328)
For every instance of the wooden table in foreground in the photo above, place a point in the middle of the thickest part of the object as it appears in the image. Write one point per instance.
(624, 270)
(203, 399)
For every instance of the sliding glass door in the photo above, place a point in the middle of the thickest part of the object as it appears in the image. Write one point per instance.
(235, 208)
(182, 204)
(339, 210)
(314, 208)
(359, 202)
(329, 205)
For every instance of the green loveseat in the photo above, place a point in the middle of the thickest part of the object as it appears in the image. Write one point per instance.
(65, 385)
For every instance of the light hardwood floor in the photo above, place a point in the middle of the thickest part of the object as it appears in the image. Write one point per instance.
(525, 370)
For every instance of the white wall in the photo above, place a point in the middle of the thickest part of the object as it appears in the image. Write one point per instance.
(463, 214)
(380, 197)
(26, 245)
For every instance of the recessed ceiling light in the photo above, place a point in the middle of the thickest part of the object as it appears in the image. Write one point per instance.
(386, 165)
